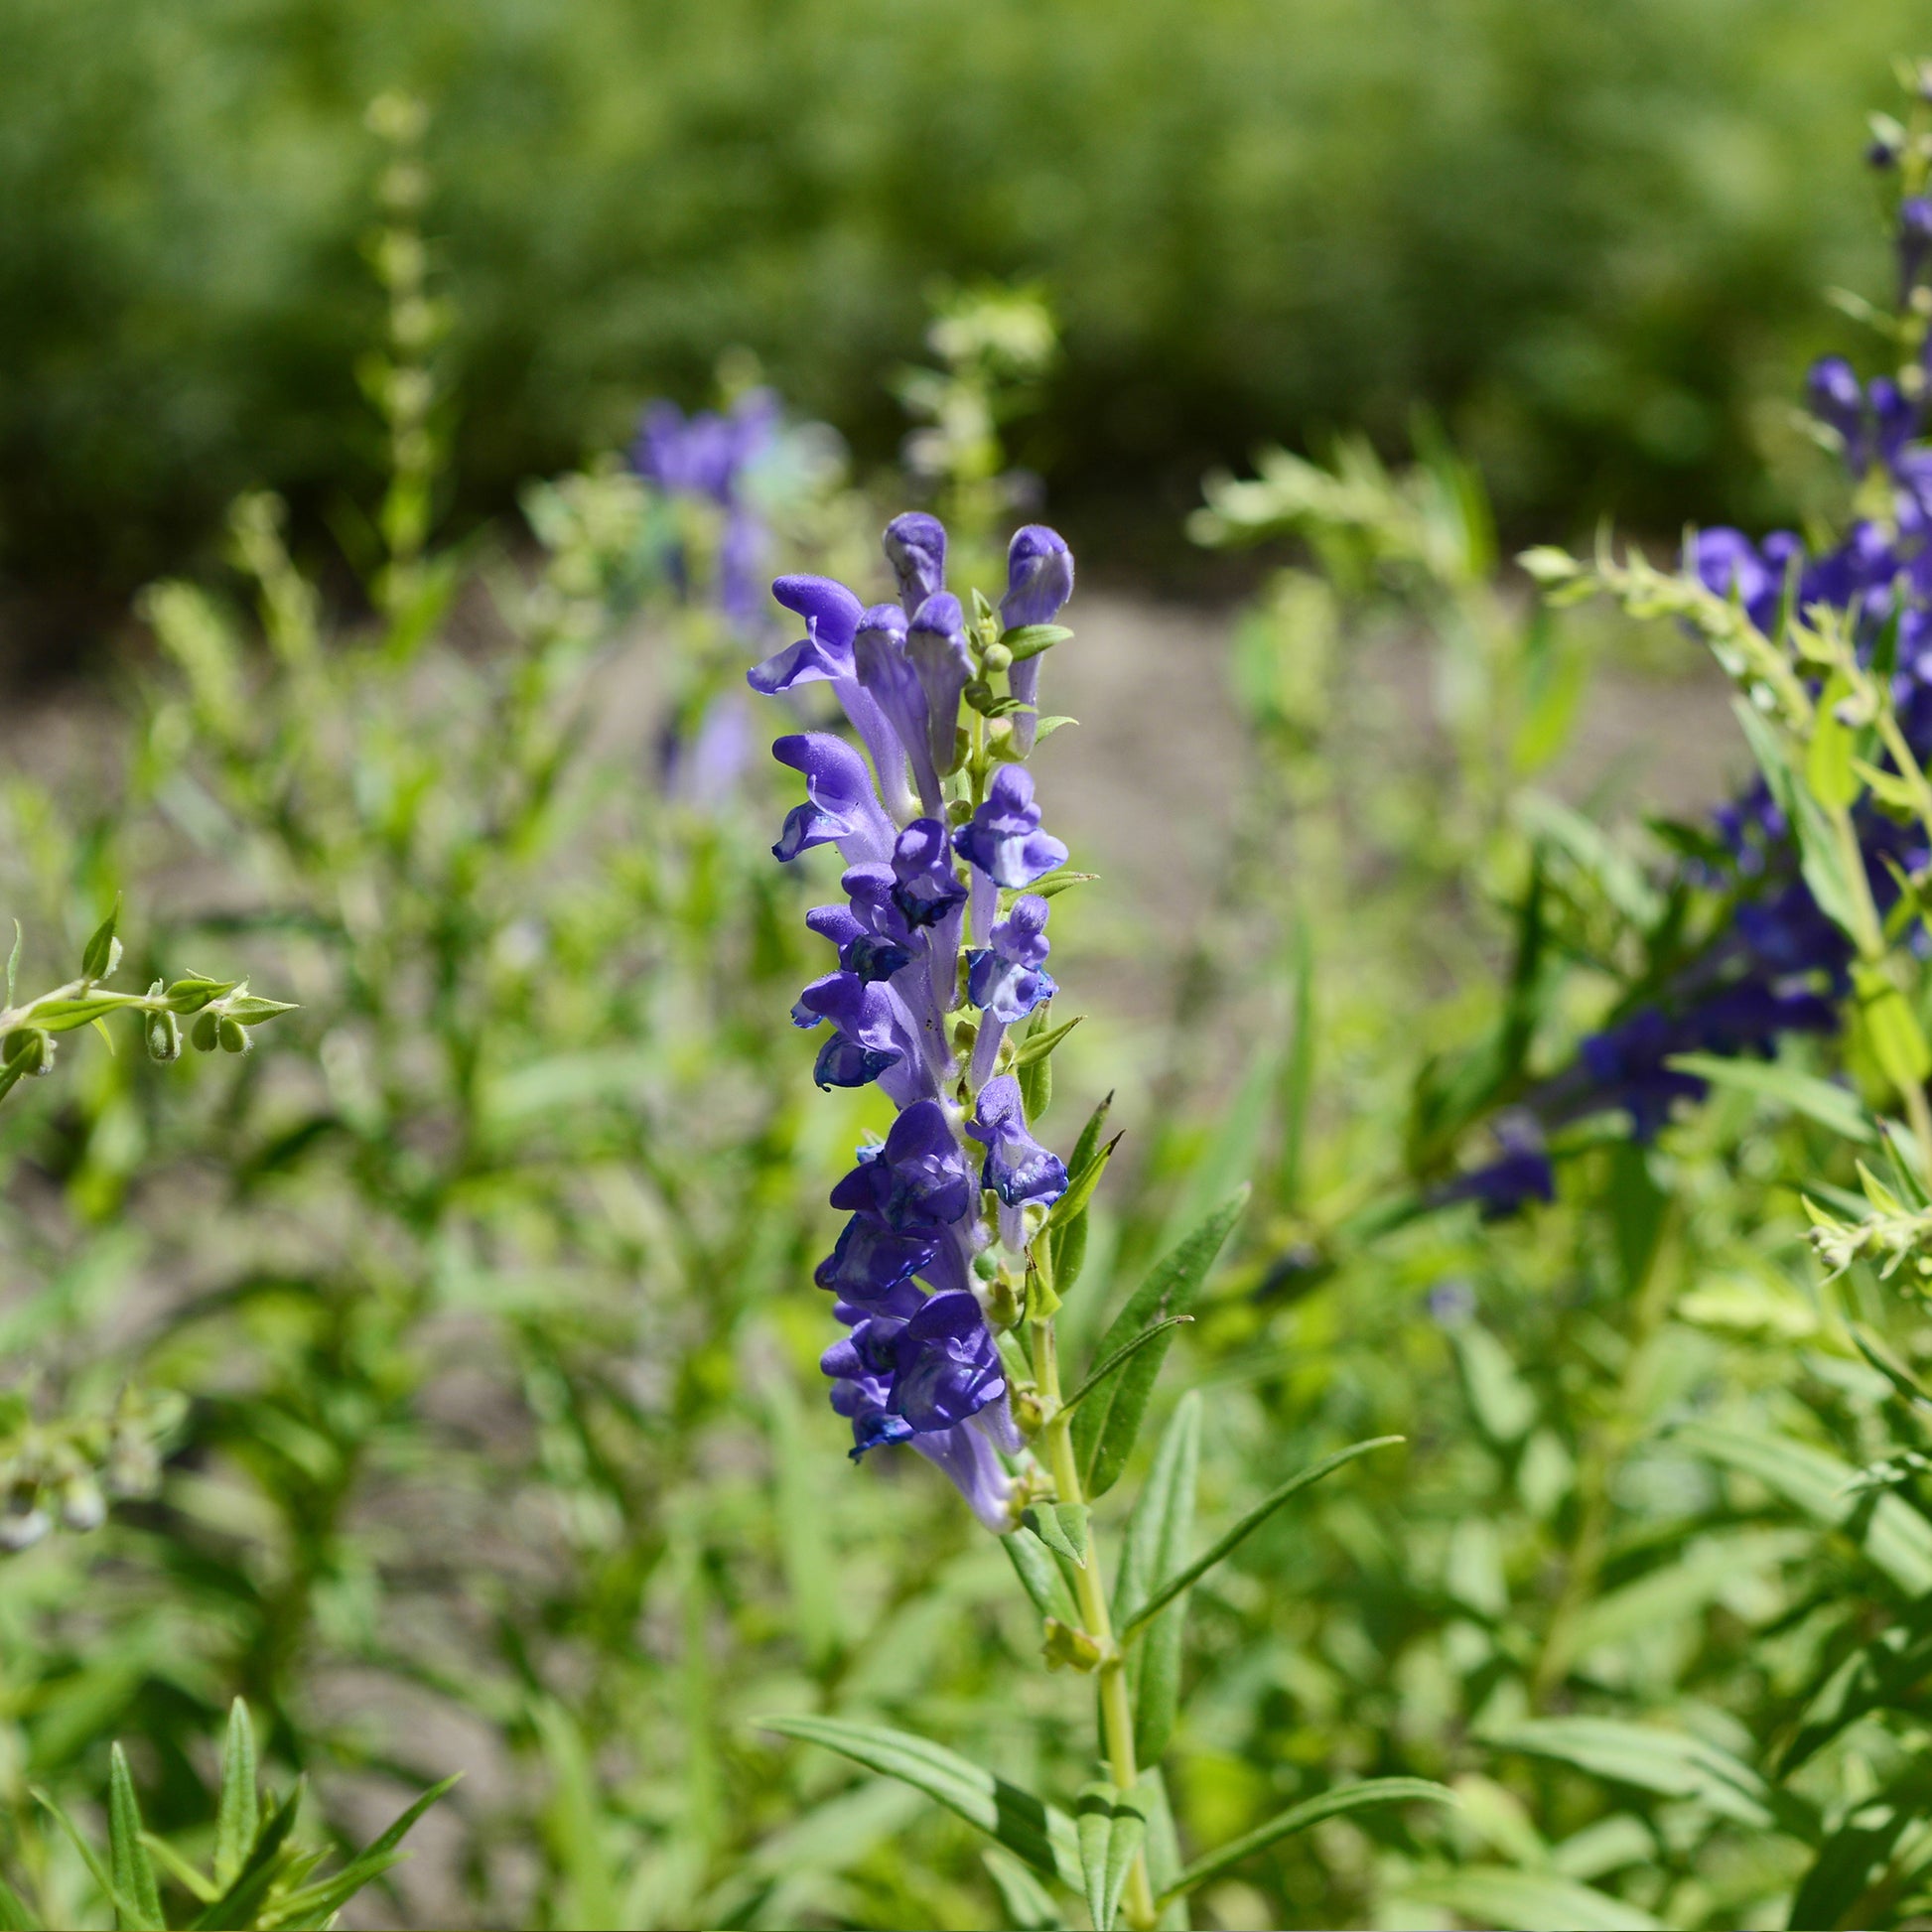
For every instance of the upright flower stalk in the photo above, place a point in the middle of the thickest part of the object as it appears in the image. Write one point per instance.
(941, 948)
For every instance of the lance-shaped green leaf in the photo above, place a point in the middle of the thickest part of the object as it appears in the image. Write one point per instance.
(1112, 1825)
(1891, 1531)
(102, 952)
(1030, 1829)
(1039, 1575)
(1830, 1106)
(1861, 1853)
(1119, 1361)
(1037, 1046)
(126, 1912)
(1830, 768)
(1105, 1426)
(316, 1904)
(63, 1016)
(239, 1905)
(1030, 640)
(1029, 1905)
(1066, 1238)
(1298, 1818)
(1159, 1535)
(237, 1815)
(1063, 1527)
(133, 1869)
(251, 1008)
(13, 962)
(1528, 1901)
(1671, 1762)
(192, 994)
(1080, 1190)
(1185, 1578)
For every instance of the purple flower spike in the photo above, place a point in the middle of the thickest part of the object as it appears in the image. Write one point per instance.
(880, 659)
(831, 614)
(1005, 978)
(916, 547)
(946, 1367)
(839, 809)
(918, 1183)
(968, 1460)
(1003, 838)
(936, 647)
(1018, 1169)
(926, 887)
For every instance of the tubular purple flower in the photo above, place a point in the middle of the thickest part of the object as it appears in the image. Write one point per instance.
(925, 887)
(1040, 579)
(1016, 1167)
(1003, 837)
(936, 648)
(1004, 978)
(870, 1266)
(918, 1182)
(916, 547)
(880, 659)
(946, 1367)
(967, 1457)
(839, 809)
(1838, 402)
(871, 1037)
(831, 614)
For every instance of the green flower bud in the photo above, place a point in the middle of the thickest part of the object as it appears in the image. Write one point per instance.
(996, 658)
(164, 1037)
(28, 1049)
(233, 1035)
(206, 1035)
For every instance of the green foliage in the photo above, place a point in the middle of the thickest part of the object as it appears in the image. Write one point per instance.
(1592, 237)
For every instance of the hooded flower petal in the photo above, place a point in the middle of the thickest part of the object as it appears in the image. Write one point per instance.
(948, 1367)
(936, 648)
(1016, 1167)
(1003, 837)
(916, 547)
(1039, 576)
(884, 670)
(926, 887)
(840, 807)
(1004, 978)
(871, 1265)
(918, 1183)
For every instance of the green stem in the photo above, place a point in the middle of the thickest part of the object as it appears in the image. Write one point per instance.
(1116, 1710)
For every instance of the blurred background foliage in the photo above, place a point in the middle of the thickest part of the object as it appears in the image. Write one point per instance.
(1590, 238)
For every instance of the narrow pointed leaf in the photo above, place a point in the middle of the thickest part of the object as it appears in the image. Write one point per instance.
(1119, 1359)
(13, 962)
(1830, 1106)
(1105, 1428)
(1030, 1829)
(1159, 1535)
(15, 1915)
(238, 1906)
(1093, 1818)
(180, 1871)
(1891, 1531)
(101, 954)
(1063, 1527)
(237, 1815)
(133, 1869)
(1039, 1575)
(1298, 1818)
(126, 1912)
(1124, 1843)
(1225, 1545)
(1527, 1901)
(1029, 1905)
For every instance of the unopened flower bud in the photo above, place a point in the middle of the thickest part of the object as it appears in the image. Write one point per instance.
(207, 1032)
(29, 1050)
(83, 1508)
(21, 1529)
(996, 658)
(233, 1035)
(979, 694)
(164, 1037)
